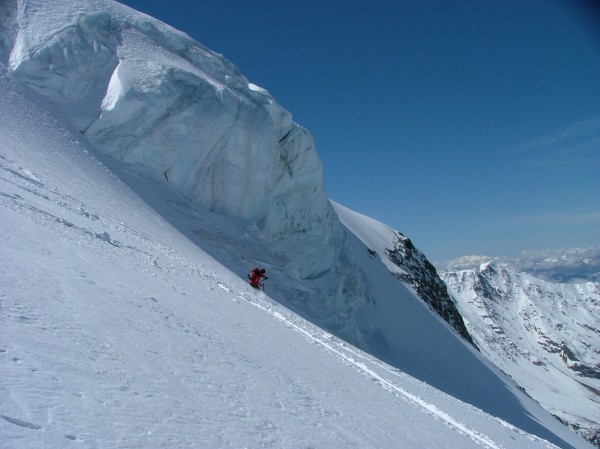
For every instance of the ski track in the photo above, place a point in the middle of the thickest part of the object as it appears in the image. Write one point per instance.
(341, 352)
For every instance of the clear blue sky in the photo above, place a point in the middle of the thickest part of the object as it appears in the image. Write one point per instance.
(471, 126)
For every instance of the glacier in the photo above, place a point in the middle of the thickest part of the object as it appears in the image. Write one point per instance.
(227, 171)
(172, 111)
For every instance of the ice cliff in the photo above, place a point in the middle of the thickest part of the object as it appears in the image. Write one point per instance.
(175, 112)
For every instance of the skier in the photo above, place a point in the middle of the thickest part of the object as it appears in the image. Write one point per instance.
(255, 277)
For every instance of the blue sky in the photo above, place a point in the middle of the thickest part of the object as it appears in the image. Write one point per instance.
(471, 126)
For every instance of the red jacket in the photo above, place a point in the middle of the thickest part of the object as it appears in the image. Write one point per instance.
(256, 276)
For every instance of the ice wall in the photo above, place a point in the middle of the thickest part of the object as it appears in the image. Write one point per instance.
(173, 111)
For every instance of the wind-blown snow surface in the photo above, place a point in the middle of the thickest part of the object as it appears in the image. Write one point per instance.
(115, 315)
(118, 332)
(545, 335)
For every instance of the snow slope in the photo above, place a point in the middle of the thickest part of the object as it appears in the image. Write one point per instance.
(112, 280)
(545, 335)
(117, 331)
(430, 352)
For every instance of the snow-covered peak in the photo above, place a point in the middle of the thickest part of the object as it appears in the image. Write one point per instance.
(543, 334)
(573, 265)
(487, 266)
(463, 263)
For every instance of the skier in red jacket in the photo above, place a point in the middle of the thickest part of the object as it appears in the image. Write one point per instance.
(255, 277)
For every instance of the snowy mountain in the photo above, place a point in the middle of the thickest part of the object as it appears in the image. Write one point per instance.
(384, 251)
(544, 335)
(573, 265)
(128, 153)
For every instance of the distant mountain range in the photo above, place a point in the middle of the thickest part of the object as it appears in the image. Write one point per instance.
(572, 265)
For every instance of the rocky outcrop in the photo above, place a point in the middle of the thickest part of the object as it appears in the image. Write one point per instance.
(417, 272)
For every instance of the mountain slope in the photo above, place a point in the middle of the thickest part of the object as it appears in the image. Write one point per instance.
(404, 336)
(117, 331)
(545, 335)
